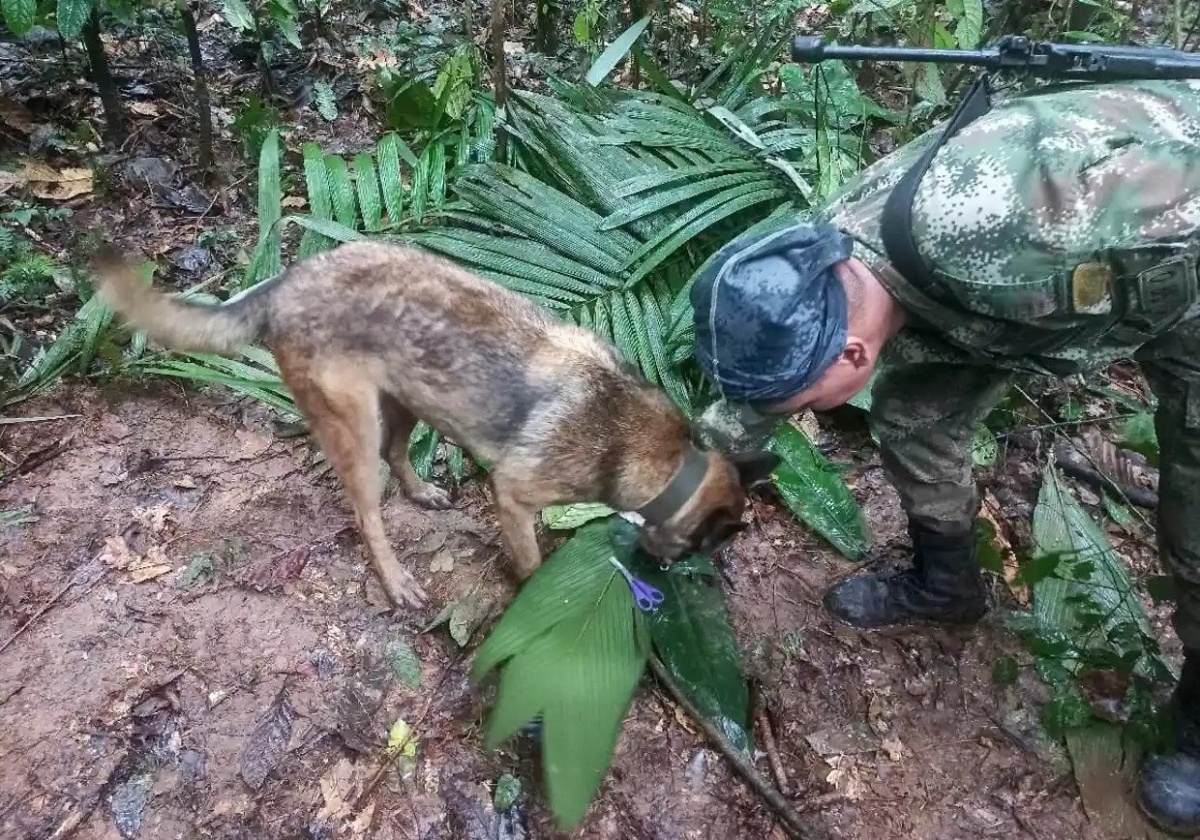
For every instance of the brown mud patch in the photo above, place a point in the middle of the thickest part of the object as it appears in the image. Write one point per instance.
(234, 634)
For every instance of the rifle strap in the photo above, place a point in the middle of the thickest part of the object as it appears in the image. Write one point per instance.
(896, 220)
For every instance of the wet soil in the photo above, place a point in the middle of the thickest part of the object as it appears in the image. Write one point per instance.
(225, 669)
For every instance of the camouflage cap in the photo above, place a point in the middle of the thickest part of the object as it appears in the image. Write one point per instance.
(770, 314)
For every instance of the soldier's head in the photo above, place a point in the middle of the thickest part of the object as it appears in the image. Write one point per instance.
(785, 320)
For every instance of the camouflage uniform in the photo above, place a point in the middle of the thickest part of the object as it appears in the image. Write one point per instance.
(1061, 231)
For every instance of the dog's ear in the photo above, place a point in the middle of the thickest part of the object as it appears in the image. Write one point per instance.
(755, 468)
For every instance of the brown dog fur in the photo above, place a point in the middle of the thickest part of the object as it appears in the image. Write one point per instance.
(370, 332)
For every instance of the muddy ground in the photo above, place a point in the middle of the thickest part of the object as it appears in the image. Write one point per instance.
(252, 699)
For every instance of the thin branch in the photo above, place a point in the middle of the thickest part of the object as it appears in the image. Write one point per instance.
(795, 825)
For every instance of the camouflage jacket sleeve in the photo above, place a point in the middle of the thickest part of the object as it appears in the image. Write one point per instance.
(1038, 218)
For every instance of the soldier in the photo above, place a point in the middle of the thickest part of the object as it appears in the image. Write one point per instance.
(1053, 235)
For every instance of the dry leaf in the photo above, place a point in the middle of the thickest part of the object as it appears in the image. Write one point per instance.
(8, 180)
(15, 115)
(294, 202)
(154, 519)
(989, 510)
(893, 747)
(185, 482)
(443, 561)
(57, 185)
(145, 573)
(144, 109)
(337, 789)
(116, 553)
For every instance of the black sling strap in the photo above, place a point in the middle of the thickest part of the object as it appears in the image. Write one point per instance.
(896, 220)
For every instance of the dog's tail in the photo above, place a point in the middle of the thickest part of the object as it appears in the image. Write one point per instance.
(176, 323)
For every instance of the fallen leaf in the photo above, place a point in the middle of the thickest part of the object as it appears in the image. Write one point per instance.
(893, 747)
(144, 109)
(185, 482)
(404, 662)
(57, 185)
(989, 510)
(402, 745)
(463, 617)
(15, 115)
(145, 573)
(430, 543)
(154, 519)
(8, 180)
(337, 789)
(267, 744)
(116, 553)
(294, 202)
(443, 561)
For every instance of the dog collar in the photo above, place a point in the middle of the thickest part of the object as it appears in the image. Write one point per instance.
(681, 488)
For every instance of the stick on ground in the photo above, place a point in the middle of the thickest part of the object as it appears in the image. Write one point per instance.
(795, 825)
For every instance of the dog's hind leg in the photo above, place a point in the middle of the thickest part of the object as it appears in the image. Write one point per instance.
(343, 412)
(398, 424)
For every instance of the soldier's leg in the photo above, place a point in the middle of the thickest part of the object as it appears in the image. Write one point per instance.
(1169, 786)
(924, 415)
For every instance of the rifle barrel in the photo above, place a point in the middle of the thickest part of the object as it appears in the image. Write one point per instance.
(808, 49)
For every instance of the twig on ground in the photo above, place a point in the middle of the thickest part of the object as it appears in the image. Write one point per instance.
(54, 599)
(12, 421)
(759, 704)
(796, 826)
(377, 777)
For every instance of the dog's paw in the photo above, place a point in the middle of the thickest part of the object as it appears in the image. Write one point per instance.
(432, 497)
(406, 592)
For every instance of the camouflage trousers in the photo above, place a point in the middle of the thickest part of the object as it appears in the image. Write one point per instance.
(924, 414)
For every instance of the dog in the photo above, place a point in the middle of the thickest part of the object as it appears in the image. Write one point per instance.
(371, 337)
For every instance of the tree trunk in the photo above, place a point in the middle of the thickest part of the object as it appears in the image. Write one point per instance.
(499, 74)
(544, 40)
(200, 87)
(114, 114)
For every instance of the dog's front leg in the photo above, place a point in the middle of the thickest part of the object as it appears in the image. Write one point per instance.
(517, 531)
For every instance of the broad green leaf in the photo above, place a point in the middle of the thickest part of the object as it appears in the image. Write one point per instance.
(267, 261)
(569, 647)
(970, 24)
(1065, 534)
(19, 15)
(1140, 435)
(554, 593)
(863, 7)
(238, 14)
(695, 641)
(316, 178)
(390, 177)
(72, 15)
(598, 671)
(325, 227)
(345, 208)
(569, 517)
(422, 449)
(369, 201)
(615, 52)
(815, 492)
(983, 447)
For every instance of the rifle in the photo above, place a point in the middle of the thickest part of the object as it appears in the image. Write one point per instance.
(1044, 59)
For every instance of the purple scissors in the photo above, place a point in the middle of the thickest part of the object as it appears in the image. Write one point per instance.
(644, 595)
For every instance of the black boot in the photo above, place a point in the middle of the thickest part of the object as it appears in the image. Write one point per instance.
(943, 586)
(1168, 789)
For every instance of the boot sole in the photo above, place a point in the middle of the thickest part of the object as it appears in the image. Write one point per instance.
(1165, 828)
